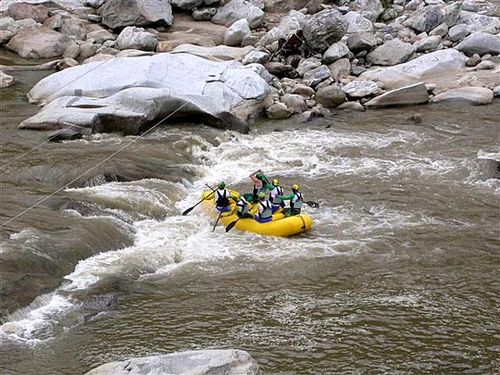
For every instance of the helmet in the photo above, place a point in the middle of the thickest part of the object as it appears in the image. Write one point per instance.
(295, 187)
(262, 195)
(276, 182)
(222, 185)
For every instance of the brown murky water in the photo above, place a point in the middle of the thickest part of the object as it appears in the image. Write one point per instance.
(399, 275)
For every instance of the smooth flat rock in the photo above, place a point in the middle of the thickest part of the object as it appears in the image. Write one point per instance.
(217, 52)
(125, 93)
(413, 94)
(442, 63)
(471, 95)
(119, 13)
(201, 362)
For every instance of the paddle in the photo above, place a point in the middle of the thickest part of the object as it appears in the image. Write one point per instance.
(312, 204)
(218, 218)
(191, 208)
(232, 224)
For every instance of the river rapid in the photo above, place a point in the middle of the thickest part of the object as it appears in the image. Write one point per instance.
(399, 275)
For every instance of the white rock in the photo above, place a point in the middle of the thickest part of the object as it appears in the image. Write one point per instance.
(118, 13)
(6, 80)
(295, 103)
(429, 44)
(370, 9)
(317, 75)
(218, 52)
(391, 52)
(480, 43)
(479, 22)
(470, 95)
(136, 38)
(238, 31)
(228, 362)
(357, 23)
(413, 94)
(458, 32)
(256, 56)
(360, 89)
(442, 63)
(137, 90)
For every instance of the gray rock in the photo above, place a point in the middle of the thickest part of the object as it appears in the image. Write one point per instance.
(278, 111)
(429, 44)
(441, 30)
(458, 32)
(202, 362)
(473, 60)
(360, 89)
(94, 18)
(340, 68)
(496, 91)
(6, 80)
(67, 25)
(361, 41)
(479, 22)
(451, 13)
(64, 135)
(235, 34)
(330, 96)
(413, 94)
(236, 10)
(302, 90)
(307, 65)
(87, 50)
(8, 23)
(335, 52)
(38, 42)
(5, 36)
(481, 43)
(261, 71)
(470, 95)
(390, 14)
(118, 13)
(413, 5)
(426, 19)
(486, 65)
(441, 63)
(324, 28)
(391, 53)
(96, 4)
(72, 51)
(186, 4)
(370, 9)
(294, 102)
(317, 75)
(356, 23)
(100, 36)
(130, 92)
(351, 106)
(136, 38)
(204, 14)
(358, 70)
(256, 56)
(277, 68)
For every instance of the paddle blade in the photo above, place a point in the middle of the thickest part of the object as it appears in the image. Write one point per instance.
(312, 204)
(188, 211)
(231, 225)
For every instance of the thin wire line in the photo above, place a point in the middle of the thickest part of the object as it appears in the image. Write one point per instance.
(4, 167)
(92, 168)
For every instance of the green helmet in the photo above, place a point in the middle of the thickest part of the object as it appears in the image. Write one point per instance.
(262, 195)
(222, 185)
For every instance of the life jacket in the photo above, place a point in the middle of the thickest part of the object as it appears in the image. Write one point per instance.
(243, 206)
(296, 201)
(222, 198)
(277, 191)
(265, 210)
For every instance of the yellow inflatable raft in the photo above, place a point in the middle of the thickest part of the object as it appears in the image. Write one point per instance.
(280, 225)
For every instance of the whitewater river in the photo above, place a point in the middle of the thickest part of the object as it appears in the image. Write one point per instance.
(399, 275)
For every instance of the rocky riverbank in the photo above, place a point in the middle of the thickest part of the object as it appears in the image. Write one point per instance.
(128, 65)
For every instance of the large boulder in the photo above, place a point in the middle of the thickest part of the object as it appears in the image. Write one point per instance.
(391, 53)
(38, 42)
(361, 41)
(480, 43)
(439, 64)
(426, 18)
(324, 28)
(236, 10)
(117, 14)
(201, 362)
(470, 95)
(128, 93)
(413, 94)
(136, 38)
